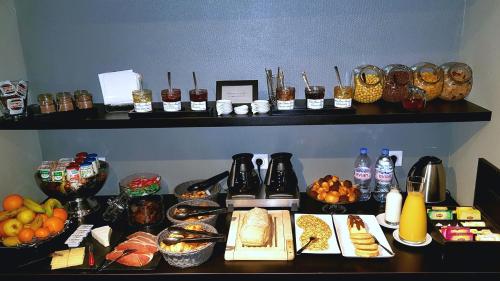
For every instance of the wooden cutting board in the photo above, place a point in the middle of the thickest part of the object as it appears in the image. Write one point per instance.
(280, 246)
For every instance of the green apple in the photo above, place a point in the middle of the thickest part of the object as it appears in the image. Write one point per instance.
(12, 227)
(26, 216)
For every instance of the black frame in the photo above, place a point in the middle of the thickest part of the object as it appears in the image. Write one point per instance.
(253, 83)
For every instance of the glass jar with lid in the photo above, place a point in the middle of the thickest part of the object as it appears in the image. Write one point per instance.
(65, 102)
(368, 83)
(397, 80)
(83, 99)
(457, 82)
(428, 77)
(47, 104)
(143, 100)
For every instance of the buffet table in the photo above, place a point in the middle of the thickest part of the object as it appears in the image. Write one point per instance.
(428, 262)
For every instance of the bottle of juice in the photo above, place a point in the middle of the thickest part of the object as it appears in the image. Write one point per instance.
(413, 222)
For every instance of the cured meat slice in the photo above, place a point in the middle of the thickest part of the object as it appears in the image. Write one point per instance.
(142, 240)
(134, 259)
(141, 247)
(144, 235)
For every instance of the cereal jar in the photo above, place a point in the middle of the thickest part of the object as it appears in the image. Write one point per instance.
(457, 81)
(428, 77)
(397, 81)
(368, 83)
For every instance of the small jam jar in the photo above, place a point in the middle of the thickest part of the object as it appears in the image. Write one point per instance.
(342, 96)
(83, 99)
(198, 99)
(315, 96)
(65, 102)
(143, 100)
(171, 100)
(47, 104)
(145, 210)
(414, 100)
(285, 97)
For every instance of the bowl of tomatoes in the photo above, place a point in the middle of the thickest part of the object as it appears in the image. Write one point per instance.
(140, 184)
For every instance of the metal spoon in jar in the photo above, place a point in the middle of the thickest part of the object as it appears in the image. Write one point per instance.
(311, 239)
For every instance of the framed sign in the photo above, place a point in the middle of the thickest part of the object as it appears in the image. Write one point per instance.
(237, 91)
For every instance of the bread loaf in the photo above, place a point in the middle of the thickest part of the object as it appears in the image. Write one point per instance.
(256, 228)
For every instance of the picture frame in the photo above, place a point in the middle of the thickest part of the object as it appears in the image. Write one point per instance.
(237, 91)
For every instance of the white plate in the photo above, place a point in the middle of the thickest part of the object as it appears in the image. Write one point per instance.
(333, 246)
(381, 221)
(428, 240)
(371, 226)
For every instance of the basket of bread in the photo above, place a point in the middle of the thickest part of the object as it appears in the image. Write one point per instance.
(331, 190)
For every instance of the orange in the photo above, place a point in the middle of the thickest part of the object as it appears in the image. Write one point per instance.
(12, 202)
(42, 233)
(2, 233)
(60, 213)
(54, 225)
(26, 235)
(44, 217)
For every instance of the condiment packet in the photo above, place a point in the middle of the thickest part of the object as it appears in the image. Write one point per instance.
(7, 88)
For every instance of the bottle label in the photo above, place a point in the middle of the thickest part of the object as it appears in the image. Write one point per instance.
(143, 107)
(198, 105)
(285, 105)
(315, 103)
(342, 103)
(172, 106)
(362, 173)
(15, 106)
(383, 174)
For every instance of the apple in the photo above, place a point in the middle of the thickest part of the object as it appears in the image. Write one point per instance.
(12, 227)
(26, 216)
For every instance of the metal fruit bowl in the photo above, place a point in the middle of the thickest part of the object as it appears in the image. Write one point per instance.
(63, 192)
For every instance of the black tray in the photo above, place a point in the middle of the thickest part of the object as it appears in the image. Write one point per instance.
(300, 108)
(34, 111)
(159, 113)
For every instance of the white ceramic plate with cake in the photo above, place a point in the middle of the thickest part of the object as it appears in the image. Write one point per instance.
(319, 226)
(359, 236)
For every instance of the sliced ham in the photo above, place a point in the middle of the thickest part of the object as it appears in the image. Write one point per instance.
(134, 259)
(141, 247)
(143, 235)
(142, 240)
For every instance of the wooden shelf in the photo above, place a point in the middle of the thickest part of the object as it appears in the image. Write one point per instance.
(377, 113)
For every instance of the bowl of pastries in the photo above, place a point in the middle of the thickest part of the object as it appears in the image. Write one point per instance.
(182, 194)
(184, 254)
(331, 190)
(208, 219)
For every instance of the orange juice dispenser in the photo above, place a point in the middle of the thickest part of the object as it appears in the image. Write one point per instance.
(413, 222)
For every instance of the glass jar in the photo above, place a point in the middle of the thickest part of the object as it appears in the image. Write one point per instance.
(428, 77)
(47, 104)
(285, 97)
(315, 96)
(171, 100)
(146, 210)
(414, 100)
(397, 79)
(457, 81)
(143, 100)
(198, 99)
(64, 102)
(342, 96)
(368, 83)
(83, 99)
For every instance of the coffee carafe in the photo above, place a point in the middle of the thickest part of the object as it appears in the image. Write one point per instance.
(280, 177)
(243, 179)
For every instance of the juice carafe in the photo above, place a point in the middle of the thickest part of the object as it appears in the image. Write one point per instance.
(413, 223)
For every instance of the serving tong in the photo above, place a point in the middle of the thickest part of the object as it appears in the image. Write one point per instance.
(201, 236)
(206, 184)
(185, 211)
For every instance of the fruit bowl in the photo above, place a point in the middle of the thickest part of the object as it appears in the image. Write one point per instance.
(333, 192)
(35, 243)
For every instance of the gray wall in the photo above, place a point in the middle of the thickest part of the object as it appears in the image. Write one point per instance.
(67, 43)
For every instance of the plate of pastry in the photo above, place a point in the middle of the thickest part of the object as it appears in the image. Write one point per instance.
(319, 226)
(360, 236)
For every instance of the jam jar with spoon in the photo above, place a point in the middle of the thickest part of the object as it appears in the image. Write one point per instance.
(171, 97)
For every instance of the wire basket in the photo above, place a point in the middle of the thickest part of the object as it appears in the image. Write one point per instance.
(190, 258)
(210, 219)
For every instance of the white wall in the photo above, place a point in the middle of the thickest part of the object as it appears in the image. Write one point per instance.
(20, 151)
(480, 42)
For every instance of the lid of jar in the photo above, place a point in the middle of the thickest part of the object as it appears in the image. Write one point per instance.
(46, 96)
(435, 74)
(457, 71)
(365, 71)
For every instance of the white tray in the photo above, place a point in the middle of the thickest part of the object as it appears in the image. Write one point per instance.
(332, 242)
(372, 226)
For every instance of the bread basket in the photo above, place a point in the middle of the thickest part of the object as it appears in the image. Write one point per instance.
(210, 219)
(190, 258)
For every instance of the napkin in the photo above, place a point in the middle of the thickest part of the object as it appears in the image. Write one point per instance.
(117, 86)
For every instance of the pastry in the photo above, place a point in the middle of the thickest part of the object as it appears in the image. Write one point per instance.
(366, 253)
(256, 228)
(355, 224)
(363, 242)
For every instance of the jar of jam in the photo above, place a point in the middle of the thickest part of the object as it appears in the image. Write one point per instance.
(146, 210)
(171, 100)
(414, 100)
(397, 80)
(47, 104)
(428, 77)
(64, 102)
(285, 98)
(143, 100)
(315, 96)
(457, 82)
(83, 99)
(368, 83)
(342, 96)
(198, 99)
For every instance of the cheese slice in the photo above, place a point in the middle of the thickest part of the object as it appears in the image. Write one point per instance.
(102, 235)
(59, 259)
(76, 256)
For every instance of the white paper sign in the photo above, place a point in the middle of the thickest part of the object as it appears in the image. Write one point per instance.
(117, 86)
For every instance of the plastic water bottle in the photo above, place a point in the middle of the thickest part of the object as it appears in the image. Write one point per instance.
(363, 174)
(384, 169)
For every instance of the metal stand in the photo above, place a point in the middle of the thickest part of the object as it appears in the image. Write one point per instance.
(291, 201)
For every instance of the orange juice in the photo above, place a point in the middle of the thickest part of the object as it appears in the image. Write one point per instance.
(413, 223)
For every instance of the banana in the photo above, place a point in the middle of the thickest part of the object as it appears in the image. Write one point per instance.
(11, 241)
(37, 222)
(34, 206)
(10, 214)
(50, 204)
